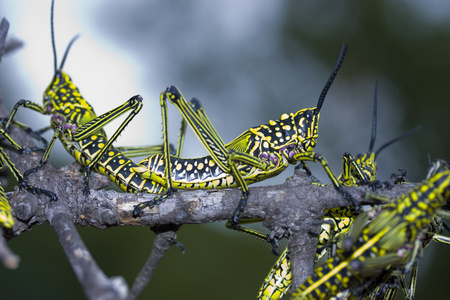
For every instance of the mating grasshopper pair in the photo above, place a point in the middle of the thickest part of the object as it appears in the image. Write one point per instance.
(259, 153)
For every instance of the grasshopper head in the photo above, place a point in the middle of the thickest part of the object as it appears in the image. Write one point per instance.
(60, 89)
(307, 124)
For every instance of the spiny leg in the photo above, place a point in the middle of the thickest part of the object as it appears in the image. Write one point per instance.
(175, 151)
(20, 179)
(45, 156)
(88, 129)
(10, 120)
(209, 138)
(205, 131)
(315, 157)
(37, 135)
(259, 235)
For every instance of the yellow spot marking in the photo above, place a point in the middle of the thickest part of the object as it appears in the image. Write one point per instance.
(287, 127)
(189, 167)
(284, 116)
(343, 264)
(422, 205)
(101, 145)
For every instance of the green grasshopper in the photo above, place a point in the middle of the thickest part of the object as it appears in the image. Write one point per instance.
(260, 152)
(392, 239)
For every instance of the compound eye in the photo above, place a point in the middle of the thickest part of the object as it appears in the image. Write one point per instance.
(309, 115)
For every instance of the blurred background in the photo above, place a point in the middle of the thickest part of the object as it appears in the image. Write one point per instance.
(248, 62)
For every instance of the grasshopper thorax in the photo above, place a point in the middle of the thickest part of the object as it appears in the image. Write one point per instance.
(292, 133)
(307, 123)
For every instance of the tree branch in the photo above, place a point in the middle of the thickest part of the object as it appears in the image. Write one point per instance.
(8, 258)
(165, 238)
(293, 209)
(94, 282)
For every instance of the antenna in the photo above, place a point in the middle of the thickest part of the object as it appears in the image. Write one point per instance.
(331, 78)
(67, 50)
(397, 138)
(55, 60)
(374, 119)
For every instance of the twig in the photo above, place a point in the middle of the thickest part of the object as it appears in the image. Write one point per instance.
(4, 26)
(92, 279)
(7, 45)
(165, 238)
(7, 257)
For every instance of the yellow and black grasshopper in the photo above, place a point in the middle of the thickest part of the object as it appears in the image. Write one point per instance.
(260, 152)
(80, 130)
(386, 286)
(390, 242)
(356, 171)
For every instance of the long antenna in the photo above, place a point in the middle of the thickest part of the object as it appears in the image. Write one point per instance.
(67, 50)
(374, 120)
(55, 60)
(331, 78)
(397, 138)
